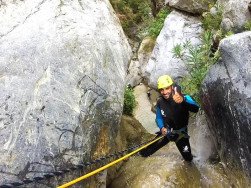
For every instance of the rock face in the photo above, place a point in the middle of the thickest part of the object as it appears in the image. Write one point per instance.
(235, 14)
(62, 74)
(131, 133)
(226, 97)
(138, 65)
(192, 6)
(178, 29)
(133, 77)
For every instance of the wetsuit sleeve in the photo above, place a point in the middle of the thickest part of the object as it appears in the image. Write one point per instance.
(191, 104)
(159, 120)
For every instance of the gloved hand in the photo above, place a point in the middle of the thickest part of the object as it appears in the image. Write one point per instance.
(177, 97)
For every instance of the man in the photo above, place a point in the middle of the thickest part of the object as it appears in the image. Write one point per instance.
(172, 116)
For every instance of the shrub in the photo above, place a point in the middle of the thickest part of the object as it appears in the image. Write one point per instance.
(129, 102)
(199, 59)
(156, 25)
(131, 13)
(177, 51)
(212, 21)
(192, 83)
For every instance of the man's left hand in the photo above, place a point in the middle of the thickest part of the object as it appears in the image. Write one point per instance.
(177, 97)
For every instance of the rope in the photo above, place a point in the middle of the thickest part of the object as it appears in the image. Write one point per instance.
(46, 176)
(107, 166)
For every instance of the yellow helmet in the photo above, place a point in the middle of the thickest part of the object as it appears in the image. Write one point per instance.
(164, 82)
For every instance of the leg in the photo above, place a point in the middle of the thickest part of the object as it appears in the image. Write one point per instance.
(184, 147)
(154, 147)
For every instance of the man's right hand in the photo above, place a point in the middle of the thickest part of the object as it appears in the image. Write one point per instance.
(164, 131)
(177, 97)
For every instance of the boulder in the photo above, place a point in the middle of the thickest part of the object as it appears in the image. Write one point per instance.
(226, 95)
(191, 6)
(62, 77)
(136, 70)
(178, 29)
(144, 53)
(235, 14)
(133, 77)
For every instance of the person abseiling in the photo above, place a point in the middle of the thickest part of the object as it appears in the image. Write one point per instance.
(172, 115)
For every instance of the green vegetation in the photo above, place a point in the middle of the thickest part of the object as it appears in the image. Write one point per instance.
(136, 17)
(212, 22)
(132, 13)
(199, 60)
(229, 33)
(129, 102)
(178, 51)
(247, 26)
(156, 24)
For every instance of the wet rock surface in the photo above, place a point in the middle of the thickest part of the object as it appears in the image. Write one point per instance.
(226, 97)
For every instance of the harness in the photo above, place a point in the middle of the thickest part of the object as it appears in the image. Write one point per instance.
(181, 132)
